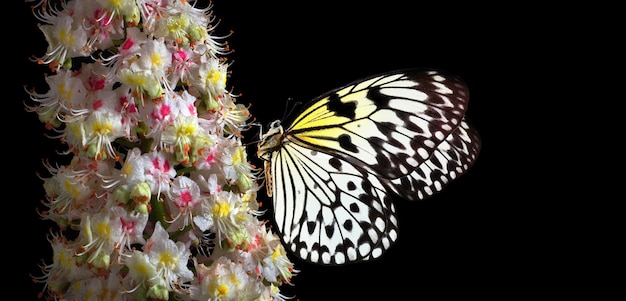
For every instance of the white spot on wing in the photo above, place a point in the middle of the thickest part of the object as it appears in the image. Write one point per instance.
(405, 93)
(422, 152)
(303, 254)
(438, 77)
(393, 235)
(385, 115)
(377, 252)
(351, 253)
(365, 249)
(407, 105)
(326, 258)
(339, 258)
(421, 123)
(380, 224)
(411, 162)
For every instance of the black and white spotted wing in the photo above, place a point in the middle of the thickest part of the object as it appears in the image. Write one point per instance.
(332, 171)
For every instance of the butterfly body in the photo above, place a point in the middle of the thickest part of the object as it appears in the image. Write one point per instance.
(333, 170)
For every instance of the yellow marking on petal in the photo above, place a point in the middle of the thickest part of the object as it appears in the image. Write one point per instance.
(66, 37)
(233, 279)
(177, 24)
(71, 188)
(221, 209)
(127, 169)
(186, 129)
(136, 80)
(102, 128)
(168, 260)
(275, 254)
(115, 3)
(241, 217)
(103, 229)
(239, 155)
(222, 289)
(216, 77)
(65, 261)
(156, 59)
(142, 268)
(64, 92)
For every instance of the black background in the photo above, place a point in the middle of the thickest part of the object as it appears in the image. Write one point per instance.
(484, 236)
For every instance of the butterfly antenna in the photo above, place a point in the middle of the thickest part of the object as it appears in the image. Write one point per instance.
(288, 111)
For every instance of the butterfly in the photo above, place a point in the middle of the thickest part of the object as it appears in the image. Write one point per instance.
(333, 172)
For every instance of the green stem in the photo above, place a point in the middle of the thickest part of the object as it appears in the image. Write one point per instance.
(157, 212)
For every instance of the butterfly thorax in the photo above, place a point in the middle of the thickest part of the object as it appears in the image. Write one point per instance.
(270, 142)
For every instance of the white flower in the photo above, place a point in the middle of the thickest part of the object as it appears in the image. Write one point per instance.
(132, 226)
(210, 78)
(186, 198)
(224, 280)
(99, 130)
(65, 37)
(154, 58)
(64, 99)
(169, 259)
(159, 171)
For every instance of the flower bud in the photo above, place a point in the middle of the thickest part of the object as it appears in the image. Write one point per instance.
(141, 193)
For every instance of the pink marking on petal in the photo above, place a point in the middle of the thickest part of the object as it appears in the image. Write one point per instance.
(96, 83)
(165, 110)
(127, 226)
(166, 166)
(155, 163)
(210, 158)
(127, 44)
(97, 104)
(192, 109)
(179, 55)
(161, 112)
(185, 199)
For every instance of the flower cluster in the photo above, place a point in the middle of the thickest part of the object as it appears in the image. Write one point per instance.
(158, 199)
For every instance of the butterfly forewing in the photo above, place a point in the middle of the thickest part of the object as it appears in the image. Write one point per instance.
(333, 168)
(452, 158)
(389, 124)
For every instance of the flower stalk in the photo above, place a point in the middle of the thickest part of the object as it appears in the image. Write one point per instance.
(158, 201)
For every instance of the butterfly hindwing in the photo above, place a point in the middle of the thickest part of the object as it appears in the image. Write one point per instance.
(330, 211)
(333, 169)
